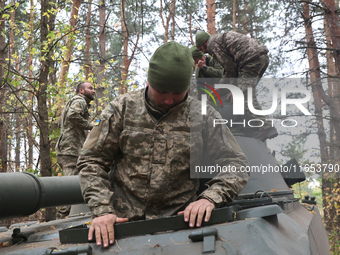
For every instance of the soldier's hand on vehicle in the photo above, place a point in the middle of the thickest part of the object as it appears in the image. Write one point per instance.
(195, 211)
(102, 226)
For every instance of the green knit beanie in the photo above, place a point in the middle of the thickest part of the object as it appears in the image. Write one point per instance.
(170, 68)
(201, 37)
(196, 53)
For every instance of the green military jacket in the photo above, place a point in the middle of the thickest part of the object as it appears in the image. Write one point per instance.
(74, 125)
(232, 50)
(207, 75)
(149, 159)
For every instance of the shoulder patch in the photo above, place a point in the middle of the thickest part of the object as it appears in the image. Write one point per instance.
(97, 122)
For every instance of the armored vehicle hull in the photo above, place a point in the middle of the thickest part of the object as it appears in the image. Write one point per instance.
(264, 219)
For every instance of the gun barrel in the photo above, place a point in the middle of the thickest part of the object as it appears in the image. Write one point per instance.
(22, 194)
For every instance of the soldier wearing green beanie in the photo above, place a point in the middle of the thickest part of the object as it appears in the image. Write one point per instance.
(201, 38)
(244, 58)
(170, 68)
(196, 53)
(206, 67)
(136, 162)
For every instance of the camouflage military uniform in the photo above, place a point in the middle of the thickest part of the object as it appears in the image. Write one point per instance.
(74, 126)
(243, 58)
(148, 153)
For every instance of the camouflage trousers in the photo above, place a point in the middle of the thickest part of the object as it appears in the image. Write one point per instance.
(69, 166)
(248, 76)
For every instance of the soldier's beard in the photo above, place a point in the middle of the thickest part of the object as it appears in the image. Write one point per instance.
(88, 95)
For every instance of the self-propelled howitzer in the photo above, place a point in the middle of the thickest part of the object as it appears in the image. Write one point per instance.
(265, 219)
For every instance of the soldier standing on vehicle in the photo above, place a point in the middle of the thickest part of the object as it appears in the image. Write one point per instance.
(243, 58)
(136, 163)
(74, 124)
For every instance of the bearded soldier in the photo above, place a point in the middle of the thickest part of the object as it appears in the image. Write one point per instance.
(74, 127)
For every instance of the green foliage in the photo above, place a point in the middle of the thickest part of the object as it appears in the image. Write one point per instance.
(334, 242)
(310, 187)
(34, 171)
(295, 149)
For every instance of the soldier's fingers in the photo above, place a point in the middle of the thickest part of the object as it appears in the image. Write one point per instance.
(98, 235)
(200, 215)
(111, 233)
(193, 214)
(90, 235)
(121, 220)
(104, 232)
(208, 211)
(187, 213)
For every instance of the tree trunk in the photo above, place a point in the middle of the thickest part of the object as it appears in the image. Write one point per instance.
(166, 28)
(12, 163)
(65, 65)
(316, 84)
(102, 57)
(190, 30)
(3, 133)
(30, 78)
(333, 93)
(245, 6)
(173, 9)
(18, 131)
(43, 123)
(166, 23)
(234, 15)
(46, 25)
(315, 74)
(333, 33)
(25, 140)
(330, 192)
(126, 59)
(9, 141)
(332, 17)
(125, 66)
(69, 43)
(11, 31)
(88, 43)
(211, 10)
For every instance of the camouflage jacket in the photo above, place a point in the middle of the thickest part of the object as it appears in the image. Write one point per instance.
(149, 159)
(232, 50)
(74, 125)
(213, 69)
